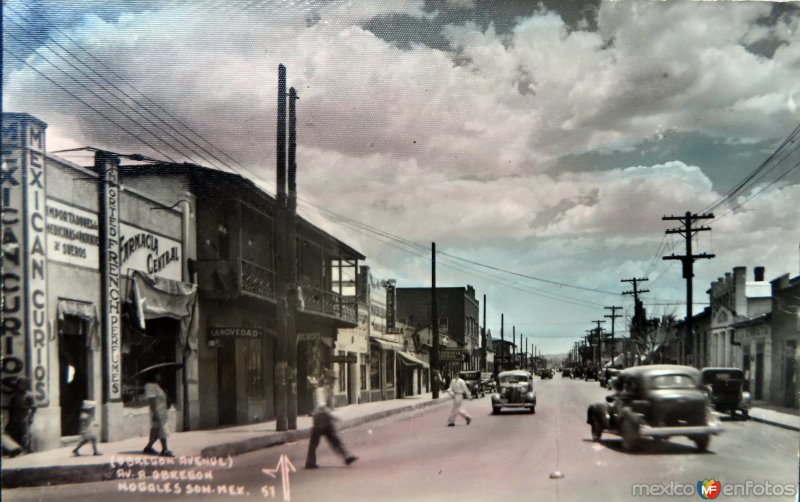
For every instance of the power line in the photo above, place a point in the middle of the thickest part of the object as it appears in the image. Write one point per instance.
(132, 134)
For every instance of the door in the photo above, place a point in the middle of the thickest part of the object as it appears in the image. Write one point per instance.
(226, 372)
(759, 394)
(74, 374)
(789, 369)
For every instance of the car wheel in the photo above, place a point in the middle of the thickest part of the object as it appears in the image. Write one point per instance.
(495, 410)
(746, 414)
(630, 436)
(597, 430)
(733, 414)
(702, 442)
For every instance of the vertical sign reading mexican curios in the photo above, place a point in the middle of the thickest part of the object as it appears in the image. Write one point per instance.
(108, 168)
(25, 326)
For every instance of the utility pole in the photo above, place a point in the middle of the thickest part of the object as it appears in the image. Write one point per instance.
(638, 309)
(613, 316)
(513, 347)
(291, 270)
(434, 320)
(483, 337)
(282, 263)
(502, 344)
(599, 360)
(688, 259)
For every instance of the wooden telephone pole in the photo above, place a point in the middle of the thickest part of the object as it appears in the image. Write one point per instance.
(688, 259)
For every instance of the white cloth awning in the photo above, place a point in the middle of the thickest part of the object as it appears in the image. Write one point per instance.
(384, 344)
(407, 358)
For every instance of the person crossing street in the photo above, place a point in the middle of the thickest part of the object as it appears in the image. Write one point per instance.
(458, 389)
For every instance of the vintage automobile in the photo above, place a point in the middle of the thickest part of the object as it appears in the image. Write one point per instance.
(566, 372)
(474, 383)
(606, 375)
(726, 390)
(487, 381)
(547, 373)
(656, 401)
(515, 391)
(589, 372)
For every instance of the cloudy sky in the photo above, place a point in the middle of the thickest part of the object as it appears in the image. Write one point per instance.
(538, 144)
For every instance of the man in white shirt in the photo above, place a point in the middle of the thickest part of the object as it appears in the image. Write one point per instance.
(458, 389)
(324, 423)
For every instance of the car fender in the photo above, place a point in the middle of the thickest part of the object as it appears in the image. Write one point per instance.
(634, 417)
(598, 411)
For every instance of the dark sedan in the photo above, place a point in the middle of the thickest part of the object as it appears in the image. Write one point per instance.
(656, 401)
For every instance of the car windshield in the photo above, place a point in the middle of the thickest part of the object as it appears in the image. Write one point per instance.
(673, 382)
(722, 375)
(514, 379)
(470, 376)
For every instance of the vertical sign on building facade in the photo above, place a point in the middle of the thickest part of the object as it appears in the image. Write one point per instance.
(107, 166)
(391, 295)
(24, 328)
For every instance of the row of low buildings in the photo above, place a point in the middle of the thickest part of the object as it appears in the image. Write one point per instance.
(751, 323)
(114, 269)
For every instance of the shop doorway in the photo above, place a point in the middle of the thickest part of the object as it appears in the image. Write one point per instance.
(226, 371)
(790, 388)
(74, 355)
(759, 390)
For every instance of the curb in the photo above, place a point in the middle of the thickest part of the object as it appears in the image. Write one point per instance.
(88, 473)
(774, 423)
(258, 443)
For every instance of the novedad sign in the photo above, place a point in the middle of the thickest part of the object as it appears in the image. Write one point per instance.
(234, 332)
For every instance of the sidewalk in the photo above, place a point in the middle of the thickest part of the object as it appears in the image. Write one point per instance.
(59, 466)
(787, 418)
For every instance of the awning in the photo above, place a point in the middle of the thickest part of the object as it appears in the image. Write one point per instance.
(81, 310)
(153, 297)
(385, 344)
(408, 359)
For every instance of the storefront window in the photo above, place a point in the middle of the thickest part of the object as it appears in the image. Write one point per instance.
(374, 367)
(255, 371)
(342, 373)
(390, 354)
(141, 351)
(364, 362)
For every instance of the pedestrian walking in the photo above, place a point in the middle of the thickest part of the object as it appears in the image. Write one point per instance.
(458, 390)
(20, 414)
(157, 399)
(86, 428)
(324, 423)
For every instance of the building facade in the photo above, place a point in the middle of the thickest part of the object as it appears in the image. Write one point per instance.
(76, 242)
(458, 319)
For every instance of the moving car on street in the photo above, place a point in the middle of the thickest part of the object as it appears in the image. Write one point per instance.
(547, 373)
(515, 391)
(726, 390)
(473, 381)
(487, 381)
(566, 372)
(606, 375)
(656, 401)
(589, 372)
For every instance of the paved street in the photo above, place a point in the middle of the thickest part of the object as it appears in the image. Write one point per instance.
(508, 457)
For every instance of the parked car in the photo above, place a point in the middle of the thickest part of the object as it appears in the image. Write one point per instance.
(487, 381)
(566, 372)
(547, 373)
(726, 390)
(515, 391)
(656, 401)
(606, 375)
(589, 372)
(473, 380)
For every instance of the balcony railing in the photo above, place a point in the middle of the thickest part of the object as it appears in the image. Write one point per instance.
(258, 280)
(232, 278)
(329, 303)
